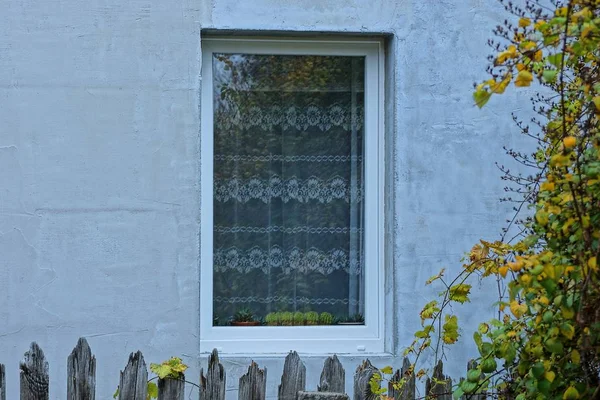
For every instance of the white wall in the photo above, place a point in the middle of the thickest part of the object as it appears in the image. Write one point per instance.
(99, 167)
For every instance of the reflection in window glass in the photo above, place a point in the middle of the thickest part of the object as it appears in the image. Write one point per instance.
(288, 189)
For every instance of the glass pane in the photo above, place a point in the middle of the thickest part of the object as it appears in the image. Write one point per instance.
(288, 189)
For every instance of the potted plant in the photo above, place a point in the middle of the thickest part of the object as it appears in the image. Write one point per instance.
(325, 318)
(273, 318)
(311, 318)
(356, 319)
(244, 317)
(298, 318)
(286, 318)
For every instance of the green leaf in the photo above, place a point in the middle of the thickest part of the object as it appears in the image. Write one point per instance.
(549, 75)
(435, 277)
(460, 292)
(116, 394)
(161, 370)
(481, 97)
(450, 332)
(152, 391)
(537, 370)
(555, 59)
(458, 393)
(387, 370)
(554, 346)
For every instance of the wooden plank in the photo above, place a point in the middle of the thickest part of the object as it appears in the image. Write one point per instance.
(322, 396)
(34, 375)
(212, 387)
(2, 382)
(171, 389)
(441, 386)
(293, 379)
(333, 376)
(81, 373)
(133, 384)
(408, 390)
(362, 376)
(253, 384)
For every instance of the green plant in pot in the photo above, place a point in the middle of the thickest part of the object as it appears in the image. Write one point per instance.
(356, 319)
(244, 317)
(273, 318)
(311, 318)
(286, 318)
(325, 318)
(298, 318)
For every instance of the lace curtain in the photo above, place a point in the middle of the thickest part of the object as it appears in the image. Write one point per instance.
(288, 184)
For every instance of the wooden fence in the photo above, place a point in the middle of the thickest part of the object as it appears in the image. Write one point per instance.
(81, 380)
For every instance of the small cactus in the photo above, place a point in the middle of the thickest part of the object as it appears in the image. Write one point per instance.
(286, 318)
(273, 319)
(325, 318)
(312, 318)
(298, 318)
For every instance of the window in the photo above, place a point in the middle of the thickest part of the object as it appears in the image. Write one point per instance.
(291, 193)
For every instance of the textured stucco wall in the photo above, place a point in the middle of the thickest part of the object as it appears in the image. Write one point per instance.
(99, 167)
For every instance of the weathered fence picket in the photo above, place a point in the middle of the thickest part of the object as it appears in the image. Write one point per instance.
(364, 373)
(333, 377)
(34, 375)
(439, 385)
(408, 390)
(212, 387)
(171, 389)
(133, 383)
(2, 383)
(253, 384)
(293, 379)
(81, 373)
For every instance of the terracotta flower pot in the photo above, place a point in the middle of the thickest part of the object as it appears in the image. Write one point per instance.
(246, 323)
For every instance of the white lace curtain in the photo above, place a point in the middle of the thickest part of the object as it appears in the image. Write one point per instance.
(288, 184)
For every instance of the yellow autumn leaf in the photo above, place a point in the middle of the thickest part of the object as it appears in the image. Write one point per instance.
(584, 14)
(510, 52)
(542, 218)
(524, 22)
(550, 375)
(517, 308)
(567, 312)
(547, 186)
(499, 87)
(575, 357)
(515, 266)
(524, 79)
(567, 330)
(592, 263)
(571, 393)
(550, 271)
(596, 101)
(569, 142)
(503, 270)
(585, 32)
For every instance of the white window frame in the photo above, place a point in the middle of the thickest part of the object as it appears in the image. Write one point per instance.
(367, 338)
